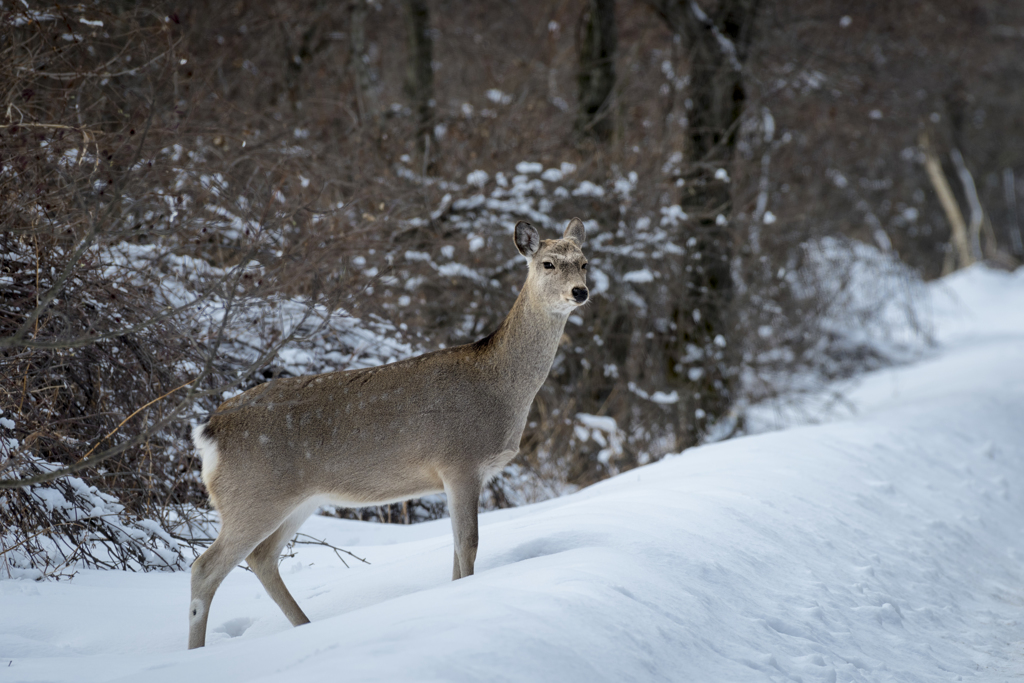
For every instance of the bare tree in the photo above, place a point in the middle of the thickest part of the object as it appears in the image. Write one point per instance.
(596, 77)
(419, 73)
(365, 101)
(718, 46)
(1013, 227)
(960, 251)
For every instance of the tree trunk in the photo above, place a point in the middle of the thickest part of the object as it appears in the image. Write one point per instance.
(973, 203)
(596, 77)
(297, 55)
(366, 104)
(419, 73)
(957, 226)
(1010, 193)
(718, 46)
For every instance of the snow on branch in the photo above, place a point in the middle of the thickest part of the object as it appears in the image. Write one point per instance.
(727, 47)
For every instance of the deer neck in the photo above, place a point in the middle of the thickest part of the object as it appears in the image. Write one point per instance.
(523, 347)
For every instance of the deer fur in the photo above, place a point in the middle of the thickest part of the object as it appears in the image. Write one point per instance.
(444, 421)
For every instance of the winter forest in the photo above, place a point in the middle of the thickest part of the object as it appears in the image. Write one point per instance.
(784, 200)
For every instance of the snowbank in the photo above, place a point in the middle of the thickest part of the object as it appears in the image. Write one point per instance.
(886, 546)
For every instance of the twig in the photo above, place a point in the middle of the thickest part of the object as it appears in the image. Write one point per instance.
(88, 461)
(78, 129)
(104, 74)
(323, 542)
(137, 411)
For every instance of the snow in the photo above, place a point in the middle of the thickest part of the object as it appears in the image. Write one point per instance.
(498, 97)
(884, 544)
(588, 189)
(599, 282)
(115, 542)
(477, 178)
(526, 167)
(672, 215)
(639, 276)
(656, 397)
(665, 398)
(599, 422)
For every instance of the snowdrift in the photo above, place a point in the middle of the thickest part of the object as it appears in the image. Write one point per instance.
(886, 544)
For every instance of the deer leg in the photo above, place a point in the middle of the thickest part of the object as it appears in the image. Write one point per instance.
(264, 563)
(463, 499)
(238, 536)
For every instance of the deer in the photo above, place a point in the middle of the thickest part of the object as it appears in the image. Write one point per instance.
(446, 421)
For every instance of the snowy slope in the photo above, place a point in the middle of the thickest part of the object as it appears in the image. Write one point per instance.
(885, 545)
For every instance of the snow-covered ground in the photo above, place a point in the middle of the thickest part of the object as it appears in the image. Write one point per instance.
(885, 544)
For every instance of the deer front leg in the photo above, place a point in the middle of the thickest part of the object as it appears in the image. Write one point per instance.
(463, 498)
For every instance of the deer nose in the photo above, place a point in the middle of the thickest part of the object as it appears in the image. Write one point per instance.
(580, 294)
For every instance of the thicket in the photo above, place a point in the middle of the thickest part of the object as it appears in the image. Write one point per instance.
(197, 200)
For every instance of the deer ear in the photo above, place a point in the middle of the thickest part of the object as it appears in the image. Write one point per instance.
(527, 239)
(575, 232)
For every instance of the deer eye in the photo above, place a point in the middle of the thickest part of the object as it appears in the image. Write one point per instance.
(584, 266)
(548, 265)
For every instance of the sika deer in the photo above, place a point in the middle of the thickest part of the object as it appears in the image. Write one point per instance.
(444, 421)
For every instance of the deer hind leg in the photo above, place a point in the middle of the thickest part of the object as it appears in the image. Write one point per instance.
(463, 499)
(239, 535)
(264, 562)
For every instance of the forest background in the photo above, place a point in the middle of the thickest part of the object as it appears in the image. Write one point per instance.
(198, 198)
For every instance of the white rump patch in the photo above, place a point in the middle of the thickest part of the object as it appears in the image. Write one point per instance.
(207, 452)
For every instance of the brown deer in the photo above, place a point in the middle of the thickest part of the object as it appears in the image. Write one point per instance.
(444, 421)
